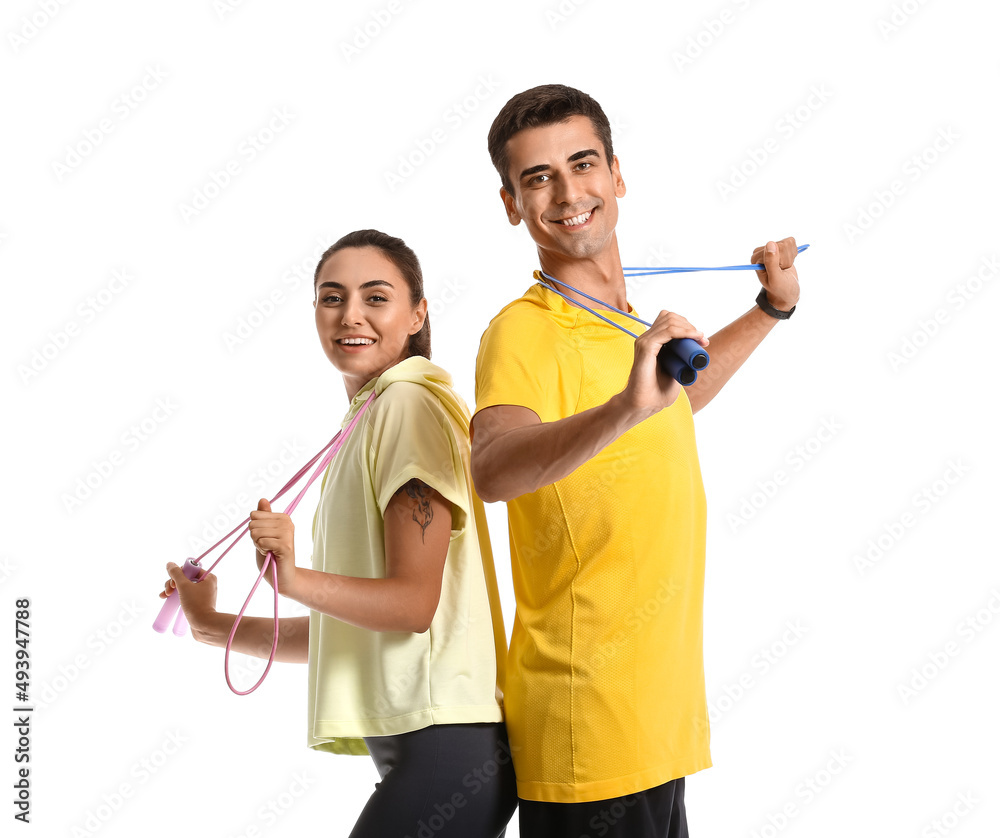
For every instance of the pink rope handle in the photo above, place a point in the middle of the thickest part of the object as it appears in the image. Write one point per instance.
(269, 560)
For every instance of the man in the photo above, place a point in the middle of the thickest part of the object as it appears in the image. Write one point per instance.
(592, 447)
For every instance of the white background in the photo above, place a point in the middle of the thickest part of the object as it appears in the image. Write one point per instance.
(879, 419)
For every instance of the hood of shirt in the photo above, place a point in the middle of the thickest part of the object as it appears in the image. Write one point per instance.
(417, 370)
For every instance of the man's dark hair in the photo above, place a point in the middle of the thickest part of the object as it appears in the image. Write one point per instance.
(543, 105)
(406, 262)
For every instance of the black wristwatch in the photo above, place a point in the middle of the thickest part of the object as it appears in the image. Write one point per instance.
(776, 313)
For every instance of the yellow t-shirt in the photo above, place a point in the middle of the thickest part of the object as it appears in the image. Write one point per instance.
(605, 686)
(370, 683)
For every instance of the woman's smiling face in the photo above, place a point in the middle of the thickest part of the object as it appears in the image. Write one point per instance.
(363, 314)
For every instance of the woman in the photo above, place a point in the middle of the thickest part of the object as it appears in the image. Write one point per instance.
(404, 641)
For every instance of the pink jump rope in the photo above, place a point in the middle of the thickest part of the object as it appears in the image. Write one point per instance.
(194, 571)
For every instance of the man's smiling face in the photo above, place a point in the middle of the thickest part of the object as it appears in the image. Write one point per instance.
(564, 190)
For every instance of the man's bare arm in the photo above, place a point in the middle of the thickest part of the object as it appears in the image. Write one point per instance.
(514, 452)
(732, 345)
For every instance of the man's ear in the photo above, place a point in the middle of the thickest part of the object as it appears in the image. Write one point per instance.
(513, 216)
(617, 176)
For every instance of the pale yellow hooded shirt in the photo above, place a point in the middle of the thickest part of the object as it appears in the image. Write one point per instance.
(370, 683)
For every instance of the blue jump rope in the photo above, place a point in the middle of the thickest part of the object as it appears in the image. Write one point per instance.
(680, 358)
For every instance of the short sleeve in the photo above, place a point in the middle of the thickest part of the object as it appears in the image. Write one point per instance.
(526, 359)
(414, 438)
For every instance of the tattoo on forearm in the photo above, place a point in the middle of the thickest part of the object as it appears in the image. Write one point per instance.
(421, 496)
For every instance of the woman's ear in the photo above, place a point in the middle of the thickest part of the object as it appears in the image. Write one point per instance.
(419, 315)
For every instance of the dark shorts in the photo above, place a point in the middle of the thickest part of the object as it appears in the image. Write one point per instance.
(654, 813)
(444, 781)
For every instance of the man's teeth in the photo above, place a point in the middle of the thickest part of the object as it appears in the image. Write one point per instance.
(577, 219)
(355, 341)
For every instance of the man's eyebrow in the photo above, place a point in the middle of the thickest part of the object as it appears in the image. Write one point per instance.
(370, 284)
(534, 170)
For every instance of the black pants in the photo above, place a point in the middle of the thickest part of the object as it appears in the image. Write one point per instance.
(654, 813)
(444, 781)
